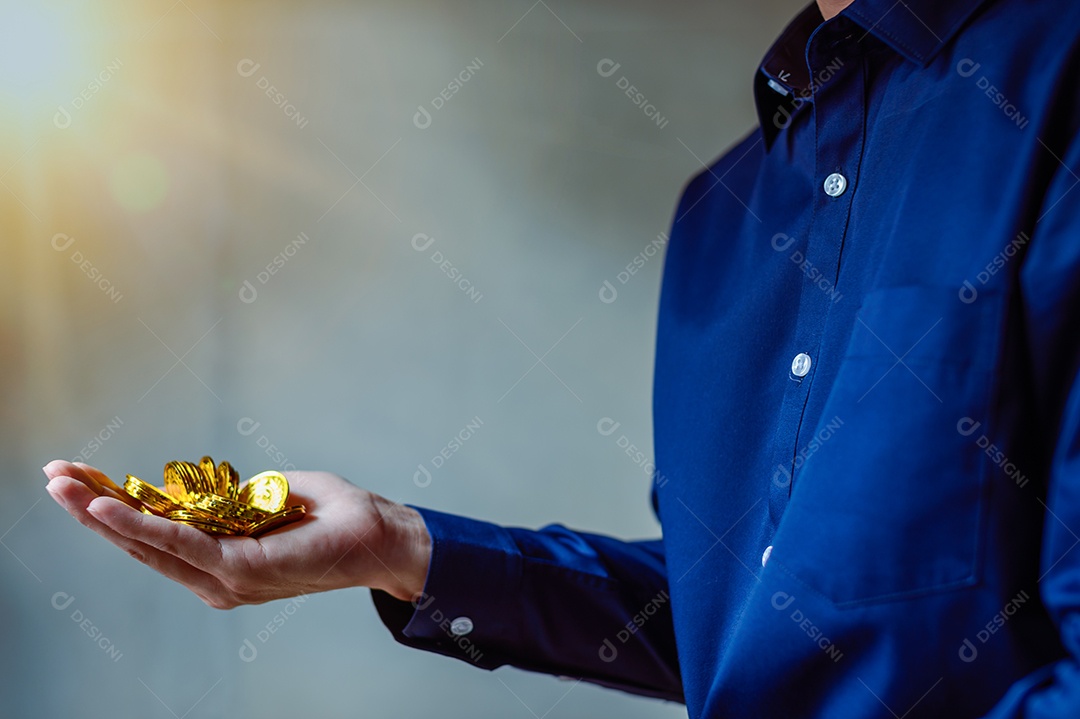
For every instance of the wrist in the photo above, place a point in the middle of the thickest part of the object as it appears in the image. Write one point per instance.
(404, 549)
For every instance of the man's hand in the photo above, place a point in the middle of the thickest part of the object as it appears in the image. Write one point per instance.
(349, 537)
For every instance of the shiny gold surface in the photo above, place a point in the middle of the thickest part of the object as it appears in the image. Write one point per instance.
(267, 491)
(212, 499)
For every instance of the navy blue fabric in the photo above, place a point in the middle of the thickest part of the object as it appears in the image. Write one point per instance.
(920, 484)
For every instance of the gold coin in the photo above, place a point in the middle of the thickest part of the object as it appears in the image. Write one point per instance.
(208, 474)
(174, 482)
(225, 508)
(191, 516)
(268, 491)
(151, 497)
(190, 476)
(208, 527)
(182, 479)
(228, 481)
(277, 519)
(195, 477)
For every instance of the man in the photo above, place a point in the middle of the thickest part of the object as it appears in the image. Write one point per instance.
(866, 411)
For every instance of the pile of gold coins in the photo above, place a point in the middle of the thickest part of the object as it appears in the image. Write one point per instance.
(212, 499)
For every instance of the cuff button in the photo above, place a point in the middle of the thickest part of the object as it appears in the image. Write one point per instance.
(461, 626)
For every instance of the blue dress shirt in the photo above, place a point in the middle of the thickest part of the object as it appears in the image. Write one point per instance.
(866, 402)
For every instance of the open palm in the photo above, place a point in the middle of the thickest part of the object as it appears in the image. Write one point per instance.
(349, 537)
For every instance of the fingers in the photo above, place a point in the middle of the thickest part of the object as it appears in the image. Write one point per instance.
(102, 478)
(189, 544)
(94, 479)
(83, 504)
(61, 468)
(225, 581)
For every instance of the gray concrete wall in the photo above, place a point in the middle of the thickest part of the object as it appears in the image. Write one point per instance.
(179, 180)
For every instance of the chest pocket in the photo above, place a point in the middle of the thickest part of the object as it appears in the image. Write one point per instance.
(891, 505)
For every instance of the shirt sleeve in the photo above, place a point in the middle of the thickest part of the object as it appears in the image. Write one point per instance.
(552, 600)
(1050, 286)
(1053, 692)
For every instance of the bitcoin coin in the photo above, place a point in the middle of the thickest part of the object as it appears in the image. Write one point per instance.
(268, 491)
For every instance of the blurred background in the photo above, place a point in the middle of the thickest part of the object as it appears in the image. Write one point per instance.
(368, 237)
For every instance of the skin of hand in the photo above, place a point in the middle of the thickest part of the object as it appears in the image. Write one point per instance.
(349, 537)
(831, 8)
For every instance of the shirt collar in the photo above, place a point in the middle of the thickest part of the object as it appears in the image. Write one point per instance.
(915, 29)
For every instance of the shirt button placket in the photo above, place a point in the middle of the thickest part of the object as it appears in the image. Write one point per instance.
(838, 111)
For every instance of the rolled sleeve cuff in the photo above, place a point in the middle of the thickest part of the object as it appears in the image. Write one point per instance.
(469, 606)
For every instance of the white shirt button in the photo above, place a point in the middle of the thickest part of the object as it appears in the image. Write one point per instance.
(800, 366)
(835, 184)
(461, 626)
(766, 555)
